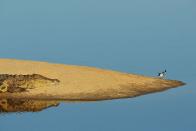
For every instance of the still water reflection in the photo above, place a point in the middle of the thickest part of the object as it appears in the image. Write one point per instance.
(24, 105)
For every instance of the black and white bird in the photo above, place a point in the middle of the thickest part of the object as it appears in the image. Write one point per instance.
(162, 74)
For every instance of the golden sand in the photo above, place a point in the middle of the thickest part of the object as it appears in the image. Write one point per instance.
(83, 83)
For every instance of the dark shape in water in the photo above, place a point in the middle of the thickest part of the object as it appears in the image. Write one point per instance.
(18, 105)
(20, 83)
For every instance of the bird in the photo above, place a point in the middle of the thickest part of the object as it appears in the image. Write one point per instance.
(162, 74)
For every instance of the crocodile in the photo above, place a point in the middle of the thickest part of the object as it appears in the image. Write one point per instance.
(20, 83)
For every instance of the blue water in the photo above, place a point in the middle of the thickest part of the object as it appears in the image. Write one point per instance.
(137, 36)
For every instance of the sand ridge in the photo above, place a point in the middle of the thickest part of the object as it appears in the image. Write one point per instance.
(82, 82)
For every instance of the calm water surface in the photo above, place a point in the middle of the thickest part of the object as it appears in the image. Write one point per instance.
(138, 36)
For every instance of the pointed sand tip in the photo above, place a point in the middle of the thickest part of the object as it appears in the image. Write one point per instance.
(177, 83)
(181, 83)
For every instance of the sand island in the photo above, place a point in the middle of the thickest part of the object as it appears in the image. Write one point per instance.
(22, 79)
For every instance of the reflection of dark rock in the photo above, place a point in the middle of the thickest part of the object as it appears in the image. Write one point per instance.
(19, 83)
(16, 105)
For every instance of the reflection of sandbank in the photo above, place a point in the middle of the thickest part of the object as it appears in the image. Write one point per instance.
(19, 105)
(81, 83)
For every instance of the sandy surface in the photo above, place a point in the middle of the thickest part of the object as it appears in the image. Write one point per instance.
(83, 83)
